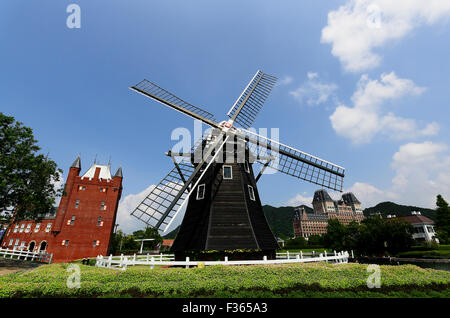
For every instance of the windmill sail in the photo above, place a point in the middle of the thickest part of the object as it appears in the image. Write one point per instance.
(248, 105)
(153, 207)
(166, 200)
(295, 162)
(161, 95)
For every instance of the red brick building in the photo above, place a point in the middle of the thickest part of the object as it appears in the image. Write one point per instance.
(346, 210)
(84, 221)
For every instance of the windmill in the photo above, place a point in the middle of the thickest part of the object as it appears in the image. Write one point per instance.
(216, 178)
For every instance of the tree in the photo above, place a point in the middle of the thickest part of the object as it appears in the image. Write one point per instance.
(315, 241)
(296, 243)
(442, 220)
(149, 233)
(398, 235)
(26, 178)
(335, 236)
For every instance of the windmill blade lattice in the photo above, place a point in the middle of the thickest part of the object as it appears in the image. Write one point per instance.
(151, 210)
(159, 94)
(295, 162)
(248, 105)
(164, 202)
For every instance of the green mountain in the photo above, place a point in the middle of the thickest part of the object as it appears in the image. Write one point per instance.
(386, 208)
(280, 219)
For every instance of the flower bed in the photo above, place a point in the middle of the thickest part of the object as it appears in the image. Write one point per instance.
(292, 280)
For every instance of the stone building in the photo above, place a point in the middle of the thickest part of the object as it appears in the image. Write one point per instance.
(346, 210)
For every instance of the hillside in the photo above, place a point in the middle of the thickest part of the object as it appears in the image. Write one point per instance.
(386, 208)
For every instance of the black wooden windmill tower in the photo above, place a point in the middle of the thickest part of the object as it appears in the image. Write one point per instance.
(216, 178)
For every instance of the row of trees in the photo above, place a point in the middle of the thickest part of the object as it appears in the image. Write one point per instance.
(314, 241)
(122, 243)
(374, 236)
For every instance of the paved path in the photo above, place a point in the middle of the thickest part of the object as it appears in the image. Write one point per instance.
(8, 266)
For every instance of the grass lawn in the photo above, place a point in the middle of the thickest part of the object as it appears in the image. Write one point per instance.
(289, 280)
(441, 251)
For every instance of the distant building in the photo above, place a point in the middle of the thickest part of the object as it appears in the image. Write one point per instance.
(423, 226)
(84, 222)
(346, 210)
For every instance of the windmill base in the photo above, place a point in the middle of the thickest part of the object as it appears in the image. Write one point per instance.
(233, 255)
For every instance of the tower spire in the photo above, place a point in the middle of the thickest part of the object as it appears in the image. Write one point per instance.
(76, 163)
(119, 173)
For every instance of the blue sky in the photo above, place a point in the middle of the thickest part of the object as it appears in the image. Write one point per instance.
(363, 84)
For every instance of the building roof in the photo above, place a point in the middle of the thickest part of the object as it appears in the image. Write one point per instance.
(105, 172)
(416, 219)
(321, 196)
(167, 242)
(350, 198)
(317, 217)
(119, 173)
(76, 163)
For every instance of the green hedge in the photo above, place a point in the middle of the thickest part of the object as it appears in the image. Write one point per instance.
(288, 280)
(425, 254)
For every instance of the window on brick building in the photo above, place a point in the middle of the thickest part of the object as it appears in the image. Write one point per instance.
(95, 243)
(28, 229)
(36, 228)
(22, 226)
(77, 203)
(102, 189)
(65, 242)
(16, 228)
(99, 221)
(81, 188)
(72, 220)
(49, 226)
(16, 244)
(103, 206)
(11, 242)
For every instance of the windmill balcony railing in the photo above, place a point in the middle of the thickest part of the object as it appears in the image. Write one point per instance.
(122, 261)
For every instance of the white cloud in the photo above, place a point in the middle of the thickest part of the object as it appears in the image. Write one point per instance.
(421, 172)
(285, 81)
(300, 199)
(127, 222)
(314, 91)
(355, 29)
(58, 185)
(367, 117)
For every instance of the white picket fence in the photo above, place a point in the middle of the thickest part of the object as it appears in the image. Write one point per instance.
(151, 260)
(41, 257)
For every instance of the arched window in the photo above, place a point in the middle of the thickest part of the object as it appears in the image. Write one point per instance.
(43, 246)
(31, 246)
